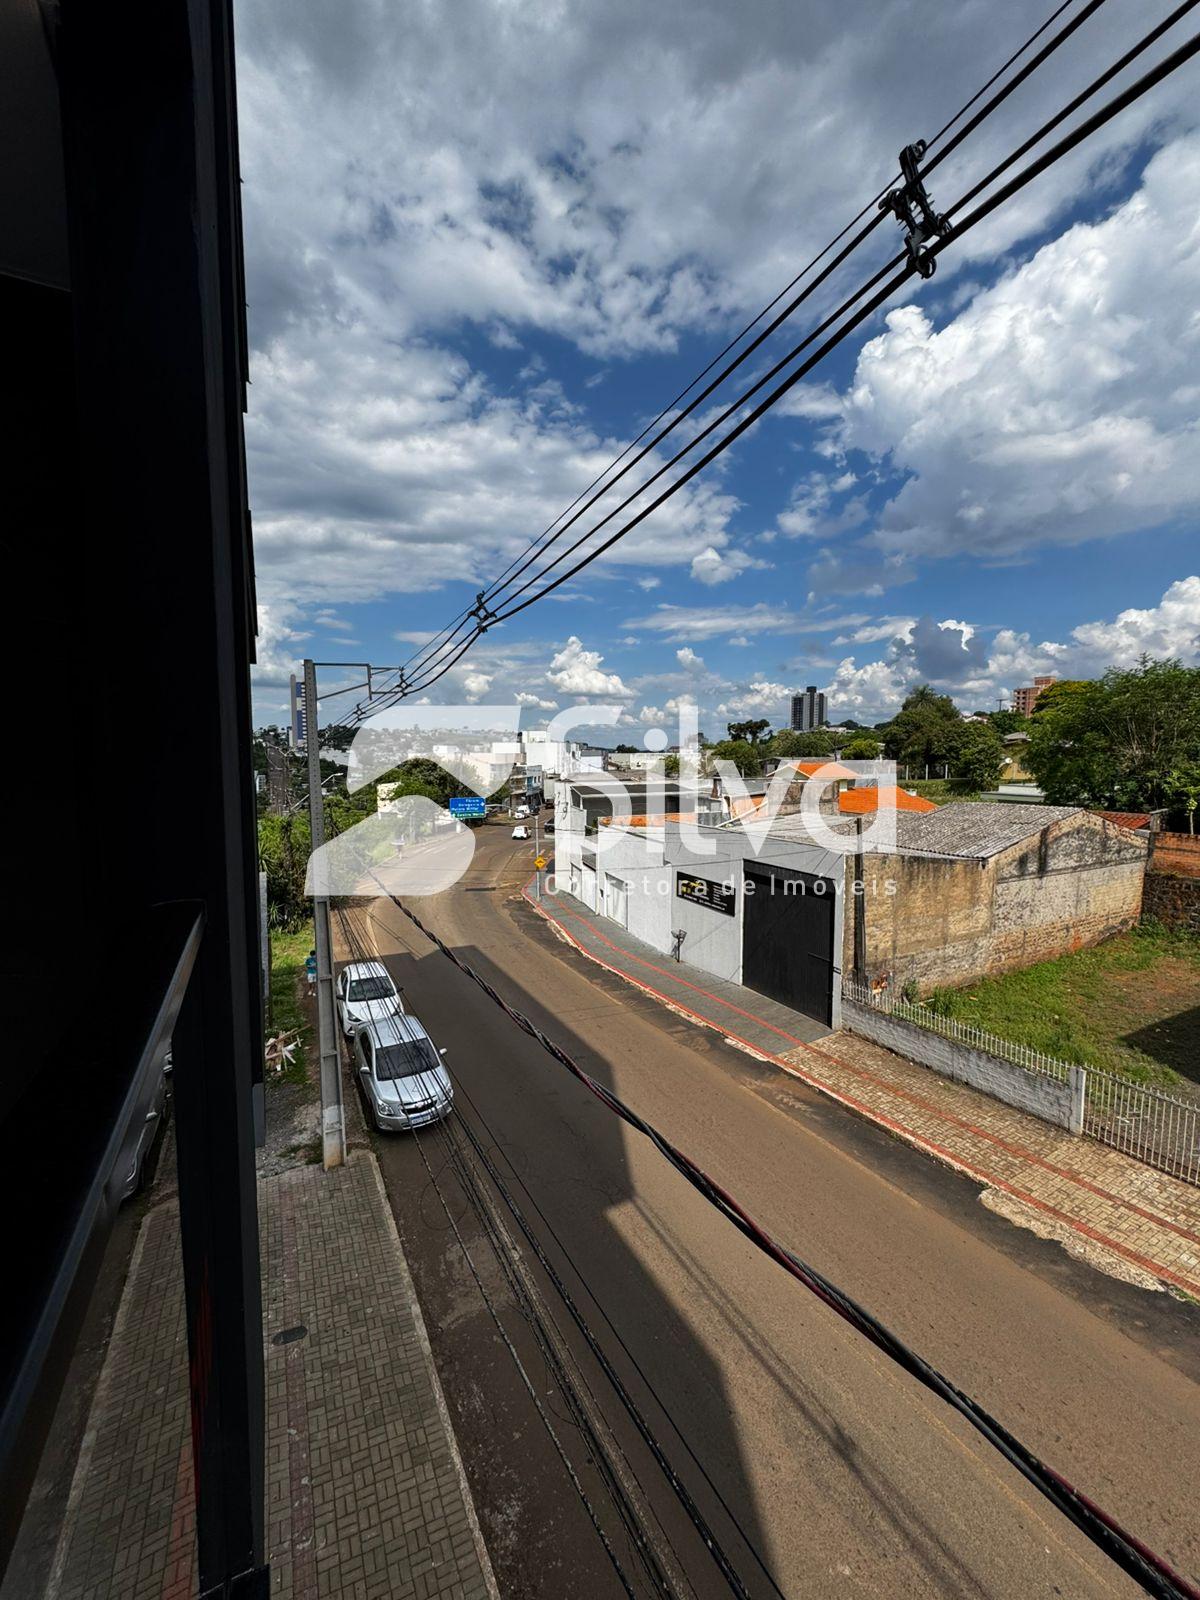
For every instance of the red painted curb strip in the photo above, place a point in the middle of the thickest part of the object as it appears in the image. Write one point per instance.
(908, 1134)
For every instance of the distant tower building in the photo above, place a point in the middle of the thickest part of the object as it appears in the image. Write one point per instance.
(1024, 700)
(808, 710)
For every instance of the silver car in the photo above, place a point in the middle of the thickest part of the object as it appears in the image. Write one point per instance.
(365, 993)
(400, 1073)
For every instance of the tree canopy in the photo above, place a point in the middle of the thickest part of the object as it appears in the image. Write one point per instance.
(788, 744)
(923, 732)
(752, 732)
(1130, 741)
(977, 758)
(863, 747)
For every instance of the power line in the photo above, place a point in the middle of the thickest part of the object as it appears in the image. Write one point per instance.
(514, 1354)
(636, 1415)
(1112, 108)
(432, 647)
(1128, 1552)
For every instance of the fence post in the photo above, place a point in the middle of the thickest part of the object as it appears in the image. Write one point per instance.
(1077, 1079)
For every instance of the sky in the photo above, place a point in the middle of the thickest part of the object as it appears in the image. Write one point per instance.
(487, 244)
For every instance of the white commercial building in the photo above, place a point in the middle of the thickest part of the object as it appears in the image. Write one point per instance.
(746, 904)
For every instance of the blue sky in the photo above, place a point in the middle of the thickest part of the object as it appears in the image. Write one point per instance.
(478, 264)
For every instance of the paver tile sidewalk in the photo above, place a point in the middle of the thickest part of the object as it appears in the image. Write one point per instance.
(1124, 1216)
(365, 1495)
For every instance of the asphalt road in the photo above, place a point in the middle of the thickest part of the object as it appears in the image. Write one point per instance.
(820, 1467)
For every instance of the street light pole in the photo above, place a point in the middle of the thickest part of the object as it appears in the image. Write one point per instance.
(333, 1130)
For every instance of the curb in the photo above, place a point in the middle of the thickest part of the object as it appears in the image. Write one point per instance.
(898, 1130)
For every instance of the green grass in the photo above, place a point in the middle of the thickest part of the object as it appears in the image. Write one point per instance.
(1130, 1005)
(288, 986)
(935, 789)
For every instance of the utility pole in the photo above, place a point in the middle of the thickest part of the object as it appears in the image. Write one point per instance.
(333, 1129)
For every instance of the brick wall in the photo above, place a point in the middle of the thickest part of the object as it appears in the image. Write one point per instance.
(1175, 902)
(1035, 1092)
(1178, 853)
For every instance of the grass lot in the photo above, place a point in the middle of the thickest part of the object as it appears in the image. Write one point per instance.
(288, 986)
(1130, 1005)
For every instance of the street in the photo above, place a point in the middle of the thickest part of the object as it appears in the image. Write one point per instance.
(820, 1467)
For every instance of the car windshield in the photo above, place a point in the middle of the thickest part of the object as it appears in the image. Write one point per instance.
(405, 1060)
(370, 989)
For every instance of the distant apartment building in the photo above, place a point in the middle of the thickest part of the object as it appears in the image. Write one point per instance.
(808, 710)
(1024, 700)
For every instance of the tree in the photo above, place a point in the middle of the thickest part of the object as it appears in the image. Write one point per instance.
(978, 758)
(1053, 697)
(1008, 722)
(283, 851)
(1130, 741)
(789, 744)
(863, 747)
(745, 756)
(924, 730)
(750, 732)
(670, 766)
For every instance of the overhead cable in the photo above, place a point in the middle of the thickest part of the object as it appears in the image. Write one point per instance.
(1131, 1554)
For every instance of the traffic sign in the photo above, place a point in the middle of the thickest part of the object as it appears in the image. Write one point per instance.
(467, 806)
(540, 862)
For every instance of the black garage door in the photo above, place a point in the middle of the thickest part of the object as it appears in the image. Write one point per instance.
(787, 940)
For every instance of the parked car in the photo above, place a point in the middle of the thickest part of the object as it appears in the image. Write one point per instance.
(520, 813)
(365, 993)
(520, 831)
(145, 1120)
(400, 1073)
(548, 827)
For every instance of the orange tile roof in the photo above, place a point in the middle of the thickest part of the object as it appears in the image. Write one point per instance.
(1126, 819)
(827, 769)
(858, 802)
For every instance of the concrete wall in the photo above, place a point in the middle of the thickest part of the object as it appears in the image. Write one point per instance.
(1175, 902)
(1035, 1092)
(951, 921)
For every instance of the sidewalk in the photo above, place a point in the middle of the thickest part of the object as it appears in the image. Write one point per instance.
(1127, 1219)
(365, 1494)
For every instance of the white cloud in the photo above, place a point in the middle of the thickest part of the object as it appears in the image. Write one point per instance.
(523, 698)
(575, 670)
(476, 685)
(759, 695)
(709, 622)
(714, 566)
(648, 583)
(276, 656)
(689, 660)
(1059, 405)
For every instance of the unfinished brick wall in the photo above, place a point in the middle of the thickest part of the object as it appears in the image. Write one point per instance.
(1173, 901)
(1176, 853)
(951, 921)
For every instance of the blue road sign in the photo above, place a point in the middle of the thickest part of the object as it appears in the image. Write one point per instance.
(467, 806)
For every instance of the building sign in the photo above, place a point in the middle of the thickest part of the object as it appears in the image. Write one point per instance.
(467, 806)
(704, 892)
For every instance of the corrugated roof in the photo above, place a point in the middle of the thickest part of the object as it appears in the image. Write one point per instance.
(972, 829)
(969, 830)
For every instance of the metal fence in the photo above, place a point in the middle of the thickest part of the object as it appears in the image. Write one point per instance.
(1156, 1127)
